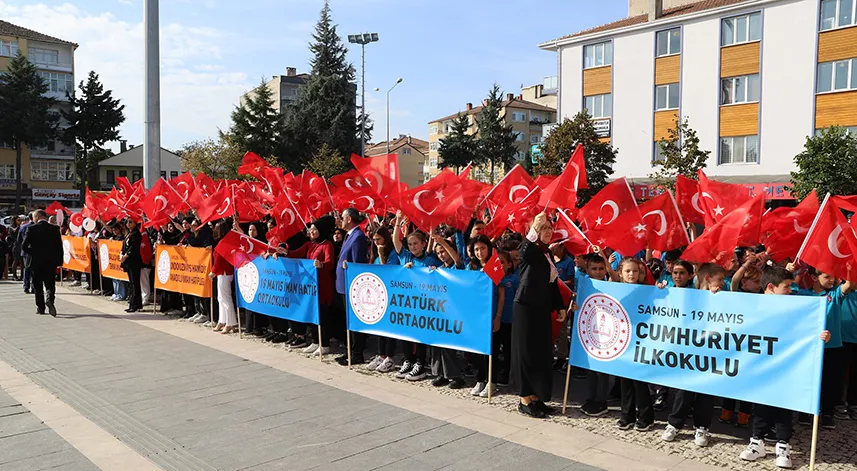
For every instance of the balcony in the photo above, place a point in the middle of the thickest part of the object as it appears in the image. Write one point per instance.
(54, 66)
(551, 86)
(59, 153)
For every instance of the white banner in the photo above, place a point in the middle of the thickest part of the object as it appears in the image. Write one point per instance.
(55, 194)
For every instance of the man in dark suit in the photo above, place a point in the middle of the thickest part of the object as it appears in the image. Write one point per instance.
(355, 249)
(43, 246)
(22, 232)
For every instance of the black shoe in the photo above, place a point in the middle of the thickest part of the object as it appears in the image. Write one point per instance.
(548, 410)
(130, 310)
(804, 419)
(594, 409)
(828, 422)
(660, 403)
(559, 363)
(623, 424)
(188, 315)
(52, 310)
(456, 383)
(531, 410)
(467, 371)
(355, 359)
(641, 426)
(440, 382)
(279, 338)
(40, 312)
(271, 336)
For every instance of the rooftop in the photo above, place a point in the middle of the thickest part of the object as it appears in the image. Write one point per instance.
(8, 29)
(514, 102)
(401, 141)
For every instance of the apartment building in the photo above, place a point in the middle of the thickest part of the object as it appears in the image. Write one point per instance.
(284, 88)
(753, 77)
(48, 171)
(413, 154)
(525, 117)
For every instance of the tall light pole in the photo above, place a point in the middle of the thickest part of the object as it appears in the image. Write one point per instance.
(363, 40)
(152, 142)
(388, 112)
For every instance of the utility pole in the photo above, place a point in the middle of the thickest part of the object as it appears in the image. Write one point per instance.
(388, 112)
(363, 40)
(152, 141)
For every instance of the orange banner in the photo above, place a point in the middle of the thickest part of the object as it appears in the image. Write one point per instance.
(109, 252)
(183, 270)
(75, 253)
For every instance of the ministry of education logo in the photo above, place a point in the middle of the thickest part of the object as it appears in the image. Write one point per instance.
(164, 267)
(603, 327)
(104, 256)
(66, 251)
(248, 282)
(368, 297)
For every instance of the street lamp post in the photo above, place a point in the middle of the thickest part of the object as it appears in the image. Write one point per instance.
(388, 112)
(363, 40)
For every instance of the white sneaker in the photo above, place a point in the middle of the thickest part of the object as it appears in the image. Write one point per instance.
(311, 349)
(477, 390)
(488, 387)
(754, 451)
(386, 366)
(320, 351)
(783, 459)
(701, 436)
(404, 370)
(669, 433)
(209, 324)
(202, 318)
(193, 318)
(375, 363)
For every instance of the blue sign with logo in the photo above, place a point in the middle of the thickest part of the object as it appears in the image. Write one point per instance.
(286, 288)
(751, 347)
(441, 308)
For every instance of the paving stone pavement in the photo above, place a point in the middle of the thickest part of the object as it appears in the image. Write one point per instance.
(185, 406)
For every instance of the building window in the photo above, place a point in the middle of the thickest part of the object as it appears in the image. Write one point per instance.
(111, 176)
(739, 150)
(599, 106)
(7, 171)
(163, 174)
(432, 163)
(519, 116)
(43, 56)
(123, 173)
(433, 146)
(406, 151)
(519, 136)
(447, 127)
(739, 89)
(741, 29)
(9, 48)
(433, 129)
(669, 42)
(136, 175)
(520, 156)
(174, 174)
(667, 97)
(597, 55)
(52, 171)
(659, 157)
(58, 82)
(837, 13)
(850, 130)
(838, 75)
(535, 139)
(7, 144)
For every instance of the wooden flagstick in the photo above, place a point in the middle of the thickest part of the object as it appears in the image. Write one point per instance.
(567, 380)
(814, 443)
(155, 298)
(320, 354)
(490, 376)
(347, 346)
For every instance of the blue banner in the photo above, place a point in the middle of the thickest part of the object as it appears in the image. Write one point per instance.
(441, 308)
(751, 347)
(286, 288)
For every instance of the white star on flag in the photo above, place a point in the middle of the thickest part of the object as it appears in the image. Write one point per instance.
(598, 221)
(718, 210)
(640, 227)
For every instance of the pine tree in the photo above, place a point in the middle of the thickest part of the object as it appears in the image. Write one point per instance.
(327, 162)
(680, 155)
(256, 124)
(459, 147)
(94, 120)
(598, 156)
(324, 112)
(828, 164)
(26, 117)
(496, 140)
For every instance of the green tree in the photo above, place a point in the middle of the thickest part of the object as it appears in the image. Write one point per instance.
(218, 159)
(324, 112)
(256, 124)
(26, 117)
(679, 155)
(496, 140)
(828, 164)
(94, 120)
(328, 162)
(598, 156)
(459, 147)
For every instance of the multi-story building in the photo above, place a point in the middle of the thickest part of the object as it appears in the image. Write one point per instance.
(284, 88)
(49, 170)
(753, 77)
(128, 163)
(544, 94)
(412, 153)
(525, 117)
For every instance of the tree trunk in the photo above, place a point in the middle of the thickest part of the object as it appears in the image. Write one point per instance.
(81, 170)
(18, 186)
(492, 171)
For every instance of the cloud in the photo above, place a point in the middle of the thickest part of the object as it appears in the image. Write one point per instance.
(197, 94)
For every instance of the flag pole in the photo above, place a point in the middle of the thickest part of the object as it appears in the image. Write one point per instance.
(812, 449)
(567, 380)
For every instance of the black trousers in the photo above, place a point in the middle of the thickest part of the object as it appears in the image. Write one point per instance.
(417, 352)
(636, 401)
(170, 301)
(189, 304)
(358, 340)
(386, 346)
(703, 409)
(850, 364)
(743, 406)
(44, 285)
(764, 417)
(135, 298)
(832, 379)
(501, 363)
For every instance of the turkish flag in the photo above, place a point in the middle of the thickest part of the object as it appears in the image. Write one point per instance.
(562, 192)
(512, 188)
(831, 244)
(247, 204)
(252, 165)
(468, 195)
(426, 205)
(287, 217)
(663, 223)
(687, 198)
(351, 190)
(93, 205)
(465, 172)
(494, 270)
(719, 199)
(544, 181)
(784, 229)
(381, 173)
(320, 201)
(56, 206)
(848, 203)
(239, 249)
(184, 185)
(219, 205)
(160, 204)
(567, 232)
(606, 206)
(515, 216)
(124, 186)
(742, 227)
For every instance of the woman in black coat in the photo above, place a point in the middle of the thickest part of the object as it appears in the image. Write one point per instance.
(538, 295)
(132, 262)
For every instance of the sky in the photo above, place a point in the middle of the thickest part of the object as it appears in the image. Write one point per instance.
(447, 52)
